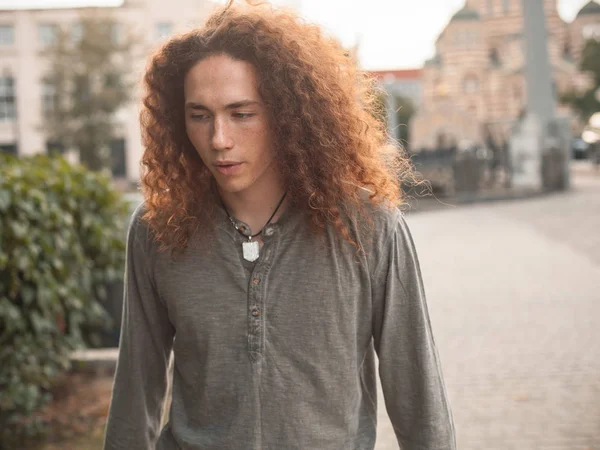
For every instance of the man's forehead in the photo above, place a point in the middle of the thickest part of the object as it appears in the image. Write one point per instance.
(222, 69)
(221, 80)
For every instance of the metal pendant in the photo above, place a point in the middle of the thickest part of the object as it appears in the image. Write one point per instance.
(251, 250)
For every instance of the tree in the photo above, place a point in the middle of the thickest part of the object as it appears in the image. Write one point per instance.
(588, 102)
(405, 109)
(86, 85)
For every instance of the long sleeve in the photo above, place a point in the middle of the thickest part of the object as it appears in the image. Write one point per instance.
(144, 349)
(409, 367)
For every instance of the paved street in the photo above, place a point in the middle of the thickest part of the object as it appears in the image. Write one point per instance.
(514, 295)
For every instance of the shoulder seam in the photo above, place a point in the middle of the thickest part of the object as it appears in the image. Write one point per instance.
(398, 214)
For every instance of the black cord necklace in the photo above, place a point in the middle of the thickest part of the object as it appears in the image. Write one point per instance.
(250, 248)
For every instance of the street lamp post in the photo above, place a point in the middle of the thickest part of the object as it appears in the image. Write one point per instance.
(538, 73)
(540, 129)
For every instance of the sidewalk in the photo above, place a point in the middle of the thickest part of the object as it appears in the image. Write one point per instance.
(513, 291)
(579, 169)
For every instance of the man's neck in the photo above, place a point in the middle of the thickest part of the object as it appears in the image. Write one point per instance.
(255, 205)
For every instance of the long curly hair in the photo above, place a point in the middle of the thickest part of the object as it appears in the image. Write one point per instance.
(330, 144)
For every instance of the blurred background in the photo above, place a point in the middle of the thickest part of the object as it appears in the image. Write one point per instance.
(497, 102)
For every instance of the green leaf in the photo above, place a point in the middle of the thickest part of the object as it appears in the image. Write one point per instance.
(19, 229)
(28, 295)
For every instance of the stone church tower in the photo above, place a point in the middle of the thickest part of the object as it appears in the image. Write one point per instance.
(475, 84)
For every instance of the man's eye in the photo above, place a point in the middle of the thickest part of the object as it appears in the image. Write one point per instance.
(241, 115)
(199, 116)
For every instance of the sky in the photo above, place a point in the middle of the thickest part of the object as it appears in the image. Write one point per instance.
(393, 34)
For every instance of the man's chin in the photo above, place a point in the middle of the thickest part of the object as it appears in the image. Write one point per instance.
(229, 186)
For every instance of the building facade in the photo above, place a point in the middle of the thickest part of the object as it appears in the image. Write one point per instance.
(474, 88)
(25, 33)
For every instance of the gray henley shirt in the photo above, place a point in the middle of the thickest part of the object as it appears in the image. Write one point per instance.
(278, 354)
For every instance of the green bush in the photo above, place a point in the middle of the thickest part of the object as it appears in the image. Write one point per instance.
(61, 243)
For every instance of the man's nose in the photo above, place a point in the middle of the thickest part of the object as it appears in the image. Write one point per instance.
(221, 138)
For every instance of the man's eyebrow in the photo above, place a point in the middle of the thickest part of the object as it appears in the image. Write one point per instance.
(193, 105)
(241, 104)
(234, 105)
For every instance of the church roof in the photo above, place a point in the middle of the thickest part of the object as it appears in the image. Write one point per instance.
(435, 61)
(590, 7)
(465, 14)
(404, 74)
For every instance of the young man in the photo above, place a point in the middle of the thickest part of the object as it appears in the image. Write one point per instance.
(270, 254)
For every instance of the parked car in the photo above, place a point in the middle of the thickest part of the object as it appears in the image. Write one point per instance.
(579, 149)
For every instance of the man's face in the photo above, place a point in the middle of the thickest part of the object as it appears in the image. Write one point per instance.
(228, 124)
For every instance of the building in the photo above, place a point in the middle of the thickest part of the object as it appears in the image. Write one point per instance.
(474, 87)
(404, 83)
(24, 33)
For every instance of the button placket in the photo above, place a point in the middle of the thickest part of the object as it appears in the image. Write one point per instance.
(269, 232)
(256, 297)
(257, 294)
(255, 316)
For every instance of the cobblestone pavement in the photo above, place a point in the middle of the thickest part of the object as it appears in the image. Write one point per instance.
(514, 295)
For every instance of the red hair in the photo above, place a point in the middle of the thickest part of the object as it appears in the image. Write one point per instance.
(328, 141)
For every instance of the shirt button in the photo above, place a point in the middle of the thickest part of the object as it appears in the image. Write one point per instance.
(269, 231)
(255, 312)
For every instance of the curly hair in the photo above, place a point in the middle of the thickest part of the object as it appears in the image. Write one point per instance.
(329, 143)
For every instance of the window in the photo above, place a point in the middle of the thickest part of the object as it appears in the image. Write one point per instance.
(7, 35)
(112, 80)
(506, 6)
(116, 33)
(7, 99)
(48, 33)
(77, 32)
(163, 30)
(48, 97)
(11, 149)
(490, 7)
(55, 148)
(494, 58)
(567, 52)
(82, 89)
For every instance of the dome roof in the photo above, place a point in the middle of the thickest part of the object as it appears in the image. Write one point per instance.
(590, 7)
(466, 14)
(435, 61)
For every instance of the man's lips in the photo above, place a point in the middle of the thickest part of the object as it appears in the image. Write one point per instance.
(228, 167)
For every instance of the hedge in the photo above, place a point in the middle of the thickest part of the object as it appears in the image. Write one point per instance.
(61, 243)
